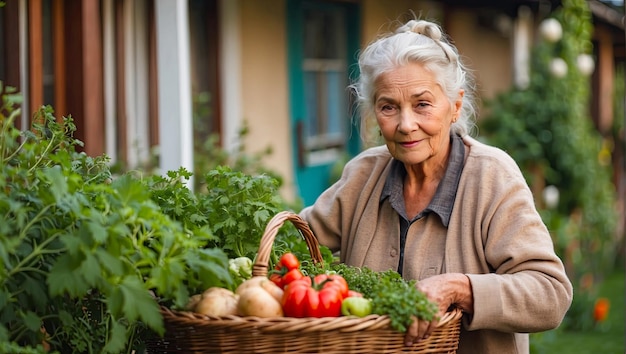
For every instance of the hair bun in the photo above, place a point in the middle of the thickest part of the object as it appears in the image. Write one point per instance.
(425, 28)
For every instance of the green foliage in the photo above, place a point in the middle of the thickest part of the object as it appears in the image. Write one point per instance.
(548, 130)
(239, 207)
(231, 212)
(402, 302)
(86, 258)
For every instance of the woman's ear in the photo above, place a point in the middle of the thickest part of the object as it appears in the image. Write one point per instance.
(457, 106)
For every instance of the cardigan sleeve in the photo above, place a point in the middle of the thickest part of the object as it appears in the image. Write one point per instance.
(525, 287)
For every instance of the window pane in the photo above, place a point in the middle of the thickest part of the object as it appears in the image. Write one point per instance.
(321, 34)
(325, 80)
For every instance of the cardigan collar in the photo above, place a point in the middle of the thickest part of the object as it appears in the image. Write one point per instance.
(443, 200)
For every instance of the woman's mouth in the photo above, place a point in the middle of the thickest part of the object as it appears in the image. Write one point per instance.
(409, 144)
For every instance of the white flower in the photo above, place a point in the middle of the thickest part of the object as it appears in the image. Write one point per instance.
(551, 30)
(585, 64)
(551, 196)
(558, 68)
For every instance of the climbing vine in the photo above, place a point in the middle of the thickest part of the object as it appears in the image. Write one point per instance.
(548, 130)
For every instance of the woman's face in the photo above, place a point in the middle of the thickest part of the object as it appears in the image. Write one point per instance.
(414, 114)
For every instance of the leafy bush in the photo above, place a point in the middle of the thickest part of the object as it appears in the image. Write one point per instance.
(548, 130)
(86, 258)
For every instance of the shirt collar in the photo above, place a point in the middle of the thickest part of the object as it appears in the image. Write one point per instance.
(443, 201)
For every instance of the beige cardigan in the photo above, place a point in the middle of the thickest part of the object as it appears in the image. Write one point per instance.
(495, 236)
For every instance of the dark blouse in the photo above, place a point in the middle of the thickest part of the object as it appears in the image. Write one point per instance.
(443, 200)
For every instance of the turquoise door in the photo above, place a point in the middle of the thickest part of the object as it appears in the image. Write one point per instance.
(322, 44)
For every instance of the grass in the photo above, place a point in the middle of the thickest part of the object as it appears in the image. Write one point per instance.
(607, 338)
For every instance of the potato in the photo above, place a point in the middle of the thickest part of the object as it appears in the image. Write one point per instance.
(216, 289)
(256, 301)
(193, 301)
(217, 302)
(254, 281)
(264, 283)
(273, 289)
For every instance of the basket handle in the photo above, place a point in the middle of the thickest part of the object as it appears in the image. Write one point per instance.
(261, 265)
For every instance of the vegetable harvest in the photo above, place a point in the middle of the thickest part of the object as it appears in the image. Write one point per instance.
(331, 291)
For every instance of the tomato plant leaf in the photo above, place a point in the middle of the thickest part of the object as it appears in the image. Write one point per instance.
(109, 261)
(90, 270)
(64, 277)
(97, 231)
(31, 320)
(115, 342)
(138, 304)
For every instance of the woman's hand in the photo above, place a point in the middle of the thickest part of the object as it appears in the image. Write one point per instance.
(446, 290)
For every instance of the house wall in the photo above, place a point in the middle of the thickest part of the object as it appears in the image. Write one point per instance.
(265, 91)
(485, 50)
(382, 15)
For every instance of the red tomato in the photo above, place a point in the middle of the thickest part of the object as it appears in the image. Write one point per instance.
(290, 261)
(286, 270)
(333, 280)
(320, 297)
(290, 276)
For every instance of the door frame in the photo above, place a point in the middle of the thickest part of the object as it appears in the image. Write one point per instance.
(306, 175)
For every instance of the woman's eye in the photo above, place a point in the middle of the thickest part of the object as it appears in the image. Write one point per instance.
(386, 108)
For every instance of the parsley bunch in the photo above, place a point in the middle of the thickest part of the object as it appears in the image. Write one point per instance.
(400, 300)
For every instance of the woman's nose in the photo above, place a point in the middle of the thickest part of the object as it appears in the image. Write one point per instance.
(407, 121)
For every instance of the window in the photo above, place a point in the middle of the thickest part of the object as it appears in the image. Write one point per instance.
(324, 69)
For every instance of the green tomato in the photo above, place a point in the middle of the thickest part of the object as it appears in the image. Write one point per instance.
(356, 306)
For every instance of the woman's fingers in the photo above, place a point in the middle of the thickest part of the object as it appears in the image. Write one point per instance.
(412, 333)
(419, 330)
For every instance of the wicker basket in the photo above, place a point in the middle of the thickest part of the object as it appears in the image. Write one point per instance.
(187, 332)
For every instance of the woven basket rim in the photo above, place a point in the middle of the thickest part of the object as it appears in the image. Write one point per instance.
(294, 324)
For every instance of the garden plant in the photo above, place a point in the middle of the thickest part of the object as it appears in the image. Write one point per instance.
(547, 128)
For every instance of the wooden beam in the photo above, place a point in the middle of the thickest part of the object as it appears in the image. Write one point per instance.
(93, 90)
(11, 40)
(58, 40)
(35, 55)
(120, 79)
(153, 87)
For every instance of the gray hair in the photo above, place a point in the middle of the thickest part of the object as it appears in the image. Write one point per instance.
(417, 41)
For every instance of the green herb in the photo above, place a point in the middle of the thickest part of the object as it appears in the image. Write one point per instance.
(401, 301)
(238, 207)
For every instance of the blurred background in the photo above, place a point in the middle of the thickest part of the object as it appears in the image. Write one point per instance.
(261, 85)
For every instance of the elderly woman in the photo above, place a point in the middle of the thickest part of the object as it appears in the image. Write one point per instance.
(437, 205)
